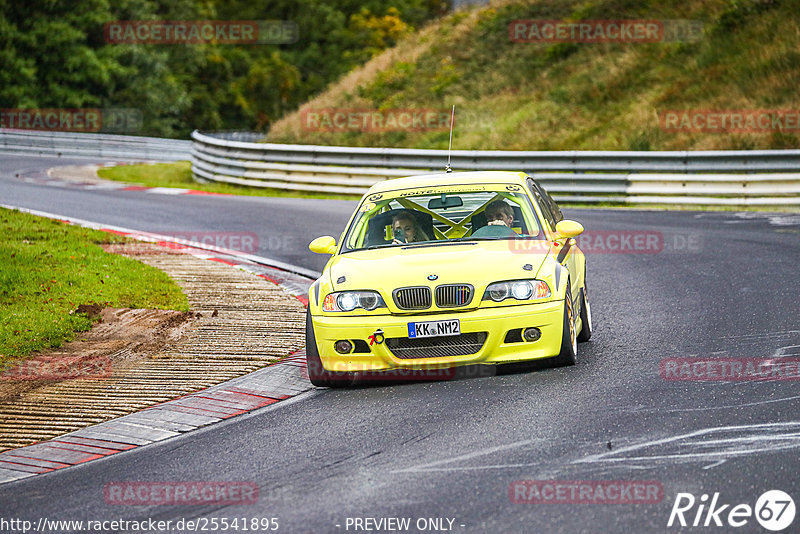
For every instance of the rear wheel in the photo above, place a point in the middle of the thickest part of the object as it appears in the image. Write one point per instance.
(316, 373)
(586, 317)
(569, 338)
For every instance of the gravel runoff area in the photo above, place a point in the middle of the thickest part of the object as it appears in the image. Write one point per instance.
(238, 322)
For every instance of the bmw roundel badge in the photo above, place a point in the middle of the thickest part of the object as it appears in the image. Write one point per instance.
(432, 277)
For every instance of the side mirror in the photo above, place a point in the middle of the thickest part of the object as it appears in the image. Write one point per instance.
(567, 228)
(323, 245)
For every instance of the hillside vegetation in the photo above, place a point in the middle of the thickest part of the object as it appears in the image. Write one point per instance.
(56, 55)
(582, 96)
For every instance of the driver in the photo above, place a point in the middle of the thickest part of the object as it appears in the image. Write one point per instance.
(407, 223)
(499, 213)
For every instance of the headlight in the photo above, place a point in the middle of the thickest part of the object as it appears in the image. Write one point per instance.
(497, 292)
(345, 301)
(517, 289)
(522, 290)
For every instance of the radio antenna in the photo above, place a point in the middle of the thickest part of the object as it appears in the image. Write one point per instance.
(450, 146)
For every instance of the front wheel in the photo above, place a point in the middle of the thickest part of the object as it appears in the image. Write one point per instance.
(316, 372)
(569, 338)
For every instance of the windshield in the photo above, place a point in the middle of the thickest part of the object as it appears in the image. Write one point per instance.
(443, 214)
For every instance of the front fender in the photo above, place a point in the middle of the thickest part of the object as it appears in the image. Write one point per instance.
(321, 287)
(556, 276)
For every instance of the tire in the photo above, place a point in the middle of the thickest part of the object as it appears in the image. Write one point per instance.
(316, 372)
(586, 318)
(569, 338)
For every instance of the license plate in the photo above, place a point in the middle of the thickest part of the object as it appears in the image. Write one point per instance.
(451, 327)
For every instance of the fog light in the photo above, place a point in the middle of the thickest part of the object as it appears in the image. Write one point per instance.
(531, 334)
(343, 346)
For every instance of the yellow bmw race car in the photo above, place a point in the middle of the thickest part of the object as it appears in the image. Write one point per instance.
(446, 270)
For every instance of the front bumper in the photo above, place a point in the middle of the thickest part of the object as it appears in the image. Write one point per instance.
(495, 322)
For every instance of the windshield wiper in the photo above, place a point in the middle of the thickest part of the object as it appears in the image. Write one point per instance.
(463, 239)
(436, 244)
(377, 246)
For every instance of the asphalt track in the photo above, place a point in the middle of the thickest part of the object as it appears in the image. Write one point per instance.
(723, 285)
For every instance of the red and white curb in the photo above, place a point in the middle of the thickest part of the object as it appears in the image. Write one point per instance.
(282, 380)
(266, 386)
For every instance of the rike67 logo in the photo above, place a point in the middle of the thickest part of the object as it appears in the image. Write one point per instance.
(774, 510)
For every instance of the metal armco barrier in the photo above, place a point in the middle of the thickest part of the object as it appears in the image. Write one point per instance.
(89, 145)
(741, 177)
(735, 178)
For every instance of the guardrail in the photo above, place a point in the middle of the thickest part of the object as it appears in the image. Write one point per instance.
(89, 145)
(742, 177)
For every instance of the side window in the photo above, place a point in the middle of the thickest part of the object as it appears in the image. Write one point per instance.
(554, 209)
(543, 204)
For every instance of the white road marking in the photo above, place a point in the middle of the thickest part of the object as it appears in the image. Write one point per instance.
(707, 408)
(768, 437)
(483, 452)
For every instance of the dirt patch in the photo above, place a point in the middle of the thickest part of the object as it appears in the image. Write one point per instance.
(120, 335)
(89, 310)
(134, 359)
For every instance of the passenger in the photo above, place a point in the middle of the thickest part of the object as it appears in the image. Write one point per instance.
(407, 223)
(498, 213)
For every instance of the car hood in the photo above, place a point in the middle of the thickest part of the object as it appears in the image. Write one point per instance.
(477, 263)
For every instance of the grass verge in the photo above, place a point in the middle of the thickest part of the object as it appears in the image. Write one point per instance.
(179, 174)
(49, 268)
